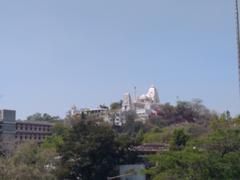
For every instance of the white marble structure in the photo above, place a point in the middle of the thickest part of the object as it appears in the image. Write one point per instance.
(144, 105)
(150, 97)
(153, 95)
(127, 102)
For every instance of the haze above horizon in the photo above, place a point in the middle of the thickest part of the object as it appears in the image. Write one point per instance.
(57, 53)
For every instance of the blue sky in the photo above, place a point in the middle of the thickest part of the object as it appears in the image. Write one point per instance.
(56, 53)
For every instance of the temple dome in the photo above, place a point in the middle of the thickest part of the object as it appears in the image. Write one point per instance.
(153, 94)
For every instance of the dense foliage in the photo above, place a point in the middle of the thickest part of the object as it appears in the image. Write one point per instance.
(214, 155)
(116, 105)
(202, 145)
(43, 117)
(91, 151)
(28, 162)
(185, 111)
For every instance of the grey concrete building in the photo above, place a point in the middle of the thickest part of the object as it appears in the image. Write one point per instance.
(13, 133)
(7, 129)
(32, 131)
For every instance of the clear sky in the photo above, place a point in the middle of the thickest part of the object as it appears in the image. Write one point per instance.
(56, 53)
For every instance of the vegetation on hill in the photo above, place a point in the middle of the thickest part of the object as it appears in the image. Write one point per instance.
(91, 151)
(212, 155)
(38, 117)
(184, 111)
(202, 145)
(28, 162)
(116, 105)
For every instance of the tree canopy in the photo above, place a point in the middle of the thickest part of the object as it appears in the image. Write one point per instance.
(214, 155)
(92, 151)
(43, 117)
(200, 145)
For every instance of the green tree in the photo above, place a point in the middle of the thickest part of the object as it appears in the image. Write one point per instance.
(59, 129)
(52, 142)
(213, 156)
(89, 152)
(116, 105)
(43, 117)
(223, 141)
(29, 162)
(126, 153)
(173, 165)
(179, 139)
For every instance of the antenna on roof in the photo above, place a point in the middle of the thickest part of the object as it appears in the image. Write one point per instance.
(238, 39)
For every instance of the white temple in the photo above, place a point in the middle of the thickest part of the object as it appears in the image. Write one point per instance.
(144, 105)
(151, 96)
(127, 102)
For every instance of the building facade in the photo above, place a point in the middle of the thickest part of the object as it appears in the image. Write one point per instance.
(14, 132)
(7, 129)
(32, 131)
(98, 114)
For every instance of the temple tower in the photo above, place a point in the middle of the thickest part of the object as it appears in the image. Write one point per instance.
(127, 102)
(153, 95)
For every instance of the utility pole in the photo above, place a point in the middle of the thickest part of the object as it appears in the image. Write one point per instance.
(238, 39)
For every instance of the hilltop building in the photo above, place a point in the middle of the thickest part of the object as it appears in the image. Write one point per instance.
(101, 114)
(98, 113)
(144, 105)
(127, 102)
